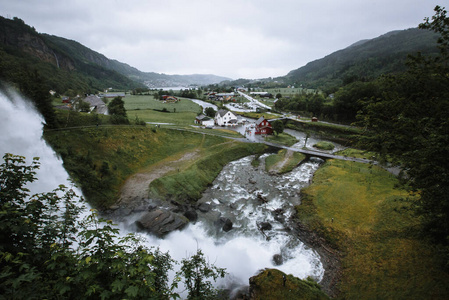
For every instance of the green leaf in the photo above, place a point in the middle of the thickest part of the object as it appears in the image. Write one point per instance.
(132, 291)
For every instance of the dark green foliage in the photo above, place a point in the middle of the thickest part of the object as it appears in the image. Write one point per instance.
(410, 122)
(47, 252)
(309, 104)
(348, 99)
(117, 111)
(84, 106)
(196, 272)
(278, 126)
(210, 112)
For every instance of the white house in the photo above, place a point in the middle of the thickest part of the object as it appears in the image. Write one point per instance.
(224, 117)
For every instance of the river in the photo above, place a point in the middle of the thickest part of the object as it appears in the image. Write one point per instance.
(246, 195)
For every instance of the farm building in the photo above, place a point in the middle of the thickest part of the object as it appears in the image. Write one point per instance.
(204, 120)
(263, 126)
(96, 104)
(224, 117)
(169, 99)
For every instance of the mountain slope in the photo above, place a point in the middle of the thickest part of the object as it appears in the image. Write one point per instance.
(69, 67)
(365, 60)
(151, 79)
(25, 53)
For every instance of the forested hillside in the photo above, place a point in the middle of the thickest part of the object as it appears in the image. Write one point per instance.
(365, 60)
(26, 54)
(70, 67)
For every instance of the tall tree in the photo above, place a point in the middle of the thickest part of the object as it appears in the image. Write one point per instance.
(278, 126)
(117, 111)
(410, 122)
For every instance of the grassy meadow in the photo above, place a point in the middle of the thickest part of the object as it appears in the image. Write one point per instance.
(282, 138)
(361, 212)
(100, 159)
(148, 109)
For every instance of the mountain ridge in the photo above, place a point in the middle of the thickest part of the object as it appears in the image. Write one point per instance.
(67, 64)
(365, 59)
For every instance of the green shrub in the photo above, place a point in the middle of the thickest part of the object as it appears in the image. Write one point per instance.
(323, 145)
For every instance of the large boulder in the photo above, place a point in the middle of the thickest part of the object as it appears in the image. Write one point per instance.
(277, 259)
(224, 224)
(204, 207)
(274, 284)
(161, 222)
(265, 226)
(192, 215)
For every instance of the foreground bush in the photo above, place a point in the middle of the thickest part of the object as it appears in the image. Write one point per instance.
(48, 252)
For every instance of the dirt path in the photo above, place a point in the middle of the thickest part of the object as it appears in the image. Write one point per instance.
(136, 187)
(279, 165)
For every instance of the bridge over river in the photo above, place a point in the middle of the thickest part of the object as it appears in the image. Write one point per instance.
(324, 155)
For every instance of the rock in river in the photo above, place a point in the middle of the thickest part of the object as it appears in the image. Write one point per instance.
(161, 222)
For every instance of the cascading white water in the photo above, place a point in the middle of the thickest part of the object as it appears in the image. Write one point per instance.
(242, 251)
(21, 134)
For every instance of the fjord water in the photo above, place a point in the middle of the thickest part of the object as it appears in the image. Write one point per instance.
(244, 194)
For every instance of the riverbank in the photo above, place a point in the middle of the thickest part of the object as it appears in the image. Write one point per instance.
(361, 223)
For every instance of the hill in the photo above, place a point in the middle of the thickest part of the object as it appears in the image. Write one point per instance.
(150, 79)
(68, 65)
(26, 54)
(364, 60)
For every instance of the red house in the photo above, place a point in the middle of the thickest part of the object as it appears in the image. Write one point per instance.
(263, 126)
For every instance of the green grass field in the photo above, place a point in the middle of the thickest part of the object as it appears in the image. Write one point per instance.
(148, 109)
(359, 210)
(282, 138)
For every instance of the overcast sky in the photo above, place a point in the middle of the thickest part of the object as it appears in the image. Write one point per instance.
(232, 38)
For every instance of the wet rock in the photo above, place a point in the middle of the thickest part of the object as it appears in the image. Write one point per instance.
(161, 222)
(192, 215)
(279, 211)
(126, 211)
(151, 207)
(227, 225)
(224, 223)
(252, 181)
(262, 198)
(277, 260)
(265, 226)
(204, 207)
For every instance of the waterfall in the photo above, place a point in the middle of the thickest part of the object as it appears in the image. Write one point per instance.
(56, 58)
(21, 134)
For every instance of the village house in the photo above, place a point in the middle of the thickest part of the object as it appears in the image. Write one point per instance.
(263, 126)
(169, 99)
(204, 120)
(224, 117)
(96, 104)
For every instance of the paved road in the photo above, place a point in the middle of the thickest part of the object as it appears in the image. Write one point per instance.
(254, 101)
